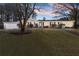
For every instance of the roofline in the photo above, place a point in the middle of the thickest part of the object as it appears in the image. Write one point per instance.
(56, 20)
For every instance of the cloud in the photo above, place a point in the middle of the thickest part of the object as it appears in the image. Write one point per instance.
(49, 12)
(53, 8)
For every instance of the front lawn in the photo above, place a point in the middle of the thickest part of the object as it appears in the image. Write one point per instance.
(39, 42)
(77, 30)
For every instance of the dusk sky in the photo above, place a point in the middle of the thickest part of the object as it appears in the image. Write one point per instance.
(45, 14)
(47, 10)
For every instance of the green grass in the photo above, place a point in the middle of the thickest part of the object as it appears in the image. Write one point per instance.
(39, 43)
(77, 30)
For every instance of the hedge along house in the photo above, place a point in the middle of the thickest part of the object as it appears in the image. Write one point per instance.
(31, 23)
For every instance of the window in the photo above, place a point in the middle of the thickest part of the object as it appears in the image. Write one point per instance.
(54, 22)
(58, 23)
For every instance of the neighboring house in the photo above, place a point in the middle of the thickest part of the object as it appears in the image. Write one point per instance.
(41, 24)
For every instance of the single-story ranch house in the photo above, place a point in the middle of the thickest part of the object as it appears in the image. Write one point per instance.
(40, 24)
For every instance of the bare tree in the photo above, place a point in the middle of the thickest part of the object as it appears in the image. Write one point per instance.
(24, 11)
(34, 15)
(71, 8)
(1, 13)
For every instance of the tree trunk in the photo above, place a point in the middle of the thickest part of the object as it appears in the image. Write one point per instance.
(23, 25)
(1, 18)
(75, 17)
(23, 29)
(75, 24)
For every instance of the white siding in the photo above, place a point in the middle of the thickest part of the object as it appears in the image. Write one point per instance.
(11, 25)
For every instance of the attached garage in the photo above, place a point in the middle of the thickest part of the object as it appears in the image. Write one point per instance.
(11, 25)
